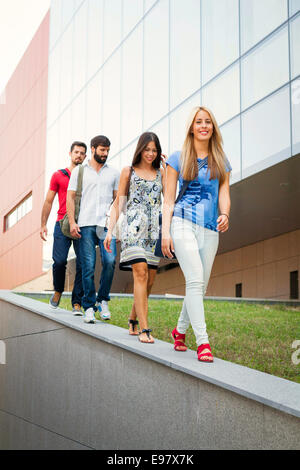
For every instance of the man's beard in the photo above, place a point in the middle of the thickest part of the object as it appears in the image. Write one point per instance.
(99, 159)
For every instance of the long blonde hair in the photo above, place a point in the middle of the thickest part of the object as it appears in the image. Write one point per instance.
(216, 155)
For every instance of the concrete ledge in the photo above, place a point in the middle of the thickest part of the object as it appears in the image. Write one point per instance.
(94, 386)
(276, 392)
(290, 303)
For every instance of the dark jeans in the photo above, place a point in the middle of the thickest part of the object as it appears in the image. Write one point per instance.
(90, 238)
(61, 246)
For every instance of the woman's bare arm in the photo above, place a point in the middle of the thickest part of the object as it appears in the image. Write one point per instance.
(224, 205)
(171, 178)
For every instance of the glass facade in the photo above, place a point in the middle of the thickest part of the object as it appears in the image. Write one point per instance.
(262, 72)
(259, 18)
(120, 67)
(266, 133)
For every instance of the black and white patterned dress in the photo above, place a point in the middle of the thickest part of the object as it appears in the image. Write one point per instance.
(140, 227)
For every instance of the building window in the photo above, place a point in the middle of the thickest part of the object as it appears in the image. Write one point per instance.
(238, 290)
(18, 212)
(294, 285)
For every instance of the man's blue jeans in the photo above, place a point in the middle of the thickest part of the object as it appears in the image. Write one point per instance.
(61, 246)
(91, 236)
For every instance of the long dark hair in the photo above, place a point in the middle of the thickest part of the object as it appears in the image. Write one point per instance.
(144, 140)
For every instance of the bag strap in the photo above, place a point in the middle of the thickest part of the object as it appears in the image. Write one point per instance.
(79, 181)
(64, 172)
(186, 183)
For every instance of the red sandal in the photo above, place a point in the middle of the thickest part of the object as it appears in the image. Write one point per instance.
(201, 355)
(179, 340)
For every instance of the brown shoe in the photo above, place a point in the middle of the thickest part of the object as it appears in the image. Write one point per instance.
(55, 299)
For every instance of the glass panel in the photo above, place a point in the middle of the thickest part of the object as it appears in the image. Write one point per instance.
(296, 116)
(29, 204)
(12, 219)
(66, 45)
(222, 95)
(294, 6)
(68, 10)
(295, 46)
(220, 39)
(232, 147)
(184, 49)
(148, 4)
(52, 154)
(95, 37)
(112, 25)
(78, 130)
(178, 122)
(80, 49)
(132, 13)
(262, 72)
(126, 156)
(258, 19)
(94, 106)
(156, 64)
(132, 86)
(18, 211)
(111, 101)
(55, 22)
(162, 132)
(23, 209)
(65, 124)
(77, 3)
(54, 85)
(266, 133)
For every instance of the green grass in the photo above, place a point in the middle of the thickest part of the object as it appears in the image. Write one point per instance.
(253, 335)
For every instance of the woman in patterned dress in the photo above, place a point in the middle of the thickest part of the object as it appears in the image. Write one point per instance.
(140, 229)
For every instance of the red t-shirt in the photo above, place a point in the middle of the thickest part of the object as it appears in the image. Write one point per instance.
(59, 183)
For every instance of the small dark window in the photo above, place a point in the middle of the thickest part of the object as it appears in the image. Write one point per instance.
(294, 285)
(18, 212)
(238, 290)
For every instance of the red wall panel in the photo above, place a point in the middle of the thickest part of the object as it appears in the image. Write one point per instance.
(22, 161)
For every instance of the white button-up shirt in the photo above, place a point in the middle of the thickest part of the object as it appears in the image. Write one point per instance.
(97, 193)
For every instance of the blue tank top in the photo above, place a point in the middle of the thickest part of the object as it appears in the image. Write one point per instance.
(199, 203)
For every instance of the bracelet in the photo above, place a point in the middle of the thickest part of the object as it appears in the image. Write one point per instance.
(226, 216)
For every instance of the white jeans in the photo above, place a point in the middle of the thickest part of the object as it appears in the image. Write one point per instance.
(195, 249)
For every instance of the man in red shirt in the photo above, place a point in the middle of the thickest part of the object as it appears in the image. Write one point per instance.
(61, 245)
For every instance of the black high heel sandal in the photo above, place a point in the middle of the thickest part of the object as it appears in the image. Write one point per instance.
(147, 331)
(131, 326)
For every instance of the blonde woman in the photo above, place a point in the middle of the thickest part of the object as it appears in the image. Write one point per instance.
(191, 227)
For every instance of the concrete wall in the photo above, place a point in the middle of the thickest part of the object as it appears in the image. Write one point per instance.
(68, 385)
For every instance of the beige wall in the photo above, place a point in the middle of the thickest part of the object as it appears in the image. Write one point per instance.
(263, 269)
